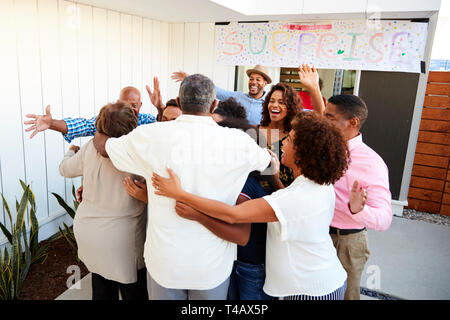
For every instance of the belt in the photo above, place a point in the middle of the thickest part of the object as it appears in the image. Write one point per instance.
(344, 232)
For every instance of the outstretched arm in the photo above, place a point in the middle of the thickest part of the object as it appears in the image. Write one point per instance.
(44, 122)
(257, 210)
(309, 77)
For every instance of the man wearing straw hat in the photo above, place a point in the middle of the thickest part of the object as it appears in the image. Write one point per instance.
(253, 100)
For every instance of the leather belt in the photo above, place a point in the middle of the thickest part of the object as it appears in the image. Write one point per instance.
(344, 232)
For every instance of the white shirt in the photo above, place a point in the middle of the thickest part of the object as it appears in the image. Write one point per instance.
(212, 162)
(300, 255)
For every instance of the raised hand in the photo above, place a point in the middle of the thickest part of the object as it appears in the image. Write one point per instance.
(357, 198)
(168, 187)
(155, 96)
(40, 122)
(179, 76)
(309, 77)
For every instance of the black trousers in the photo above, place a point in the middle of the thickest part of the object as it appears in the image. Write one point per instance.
(104, 289)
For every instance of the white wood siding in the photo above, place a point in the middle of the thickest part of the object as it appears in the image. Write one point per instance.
(76, 58)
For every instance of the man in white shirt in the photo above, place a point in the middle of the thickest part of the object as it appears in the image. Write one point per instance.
(184, 259)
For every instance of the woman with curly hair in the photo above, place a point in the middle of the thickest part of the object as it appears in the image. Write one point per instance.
(280, 106)
(301, 261)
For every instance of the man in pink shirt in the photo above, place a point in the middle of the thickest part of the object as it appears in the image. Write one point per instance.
(368, 171)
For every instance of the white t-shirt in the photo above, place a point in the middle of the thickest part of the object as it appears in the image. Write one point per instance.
(300, 255)
(212, 162)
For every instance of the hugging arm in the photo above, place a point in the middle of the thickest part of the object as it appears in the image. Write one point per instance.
(257, 210)
(238, 233)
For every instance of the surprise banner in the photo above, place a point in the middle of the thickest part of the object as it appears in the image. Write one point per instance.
(351, 44)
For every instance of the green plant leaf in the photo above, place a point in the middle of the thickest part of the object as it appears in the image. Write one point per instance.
(31, 197)
(6, 256)
(64, 233)
(21, 211)
(73, 192)
(63, 204)
(34, 232)
(41, 254)
(8, 211)
(15, 263)
(6, 232)
(26, 266)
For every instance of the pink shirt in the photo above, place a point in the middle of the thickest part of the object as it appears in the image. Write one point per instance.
(369, 169)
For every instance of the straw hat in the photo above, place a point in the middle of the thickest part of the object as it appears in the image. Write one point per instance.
(259, 69)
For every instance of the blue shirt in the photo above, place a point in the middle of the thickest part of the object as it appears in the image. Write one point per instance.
(80, 127)
(253, 107)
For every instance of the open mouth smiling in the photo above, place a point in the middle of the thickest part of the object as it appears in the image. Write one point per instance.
(275, 111)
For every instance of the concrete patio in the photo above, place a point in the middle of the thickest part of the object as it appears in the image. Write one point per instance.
(409, 261)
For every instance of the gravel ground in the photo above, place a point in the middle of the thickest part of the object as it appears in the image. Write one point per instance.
(427, 217)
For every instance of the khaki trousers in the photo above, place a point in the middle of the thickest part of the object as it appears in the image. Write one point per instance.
(353, 252)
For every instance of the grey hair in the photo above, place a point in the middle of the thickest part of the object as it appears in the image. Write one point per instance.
(197, 93)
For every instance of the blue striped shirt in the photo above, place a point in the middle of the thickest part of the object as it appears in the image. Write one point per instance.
(81, 127)
(253, 107)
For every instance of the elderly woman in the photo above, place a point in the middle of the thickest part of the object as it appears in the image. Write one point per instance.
(301, 261)
(109, 226)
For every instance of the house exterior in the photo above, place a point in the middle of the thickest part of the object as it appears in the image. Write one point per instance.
(76, 56)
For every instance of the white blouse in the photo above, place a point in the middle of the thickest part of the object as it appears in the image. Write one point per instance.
(300, 255)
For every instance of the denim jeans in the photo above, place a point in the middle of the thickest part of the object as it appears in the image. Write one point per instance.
(247, 281)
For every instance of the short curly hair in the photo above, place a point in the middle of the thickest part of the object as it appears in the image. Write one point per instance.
(292, 101)
(116, 119)
(230, 108)
(321, 151)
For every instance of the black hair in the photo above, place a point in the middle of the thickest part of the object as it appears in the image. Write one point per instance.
(351, 106)
(230, 108)
(172, 103)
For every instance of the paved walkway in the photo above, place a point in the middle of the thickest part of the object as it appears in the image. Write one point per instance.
(413, 258)
(409, 261)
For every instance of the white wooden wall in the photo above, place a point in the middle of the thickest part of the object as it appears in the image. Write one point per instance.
(76, 58)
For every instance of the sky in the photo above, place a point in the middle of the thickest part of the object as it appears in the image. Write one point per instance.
(441, 45)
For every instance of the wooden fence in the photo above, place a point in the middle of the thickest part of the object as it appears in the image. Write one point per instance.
(429, 189)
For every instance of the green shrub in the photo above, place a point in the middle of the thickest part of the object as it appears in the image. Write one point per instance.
(16, 263)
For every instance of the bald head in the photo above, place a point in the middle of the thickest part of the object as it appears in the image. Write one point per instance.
(133, 97)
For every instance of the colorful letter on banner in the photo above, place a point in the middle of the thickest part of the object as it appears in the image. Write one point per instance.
(389, 45)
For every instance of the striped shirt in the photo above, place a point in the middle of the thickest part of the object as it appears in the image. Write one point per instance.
(337, 294)
(81, 127)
